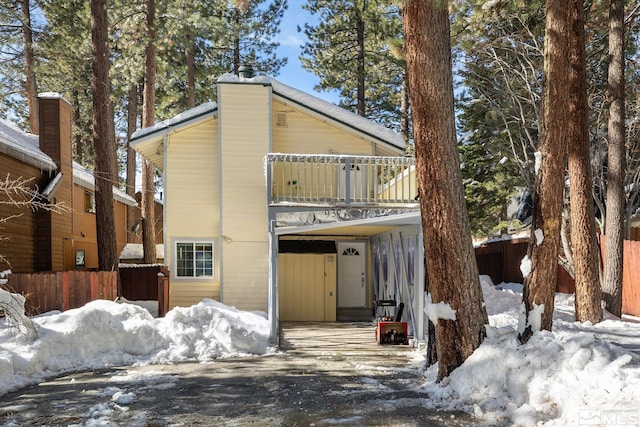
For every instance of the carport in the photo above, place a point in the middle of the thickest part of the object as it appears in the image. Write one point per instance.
(312, 282)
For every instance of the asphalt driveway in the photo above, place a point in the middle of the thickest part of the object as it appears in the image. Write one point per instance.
(325, 374)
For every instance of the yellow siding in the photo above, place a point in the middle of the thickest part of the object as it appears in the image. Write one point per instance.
(246, 275)
(245, 129)
(185, 293)
(191, 205)
(307, 135)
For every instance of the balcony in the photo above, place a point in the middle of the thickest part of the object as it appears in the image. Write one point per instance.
(341, 181)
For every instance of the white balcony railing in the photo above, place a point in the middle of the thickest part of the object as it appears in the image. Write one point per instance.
(337, 180)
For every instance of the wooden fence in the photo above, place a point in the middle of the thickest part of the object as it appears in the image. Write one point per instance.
(65, 290)
(62, 290)
(501, 261)
(630, 275)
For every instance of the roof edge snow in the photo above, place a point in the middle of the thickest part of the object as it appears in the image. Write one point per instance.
(23, 146)
(84, 177)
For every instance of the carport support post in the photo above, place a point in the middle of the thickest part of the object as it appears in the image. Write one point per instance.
(273, 284)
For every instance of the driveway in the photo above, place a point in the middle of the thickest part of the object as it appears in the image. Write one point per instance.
(325, 374)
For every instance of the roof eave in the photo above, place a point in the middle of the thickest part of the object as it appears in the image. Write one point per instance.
(150, 145)
(40, 162)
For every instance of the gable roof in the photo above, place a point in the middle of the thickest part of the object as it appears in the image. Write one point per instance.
(327, 110)
(308, 103)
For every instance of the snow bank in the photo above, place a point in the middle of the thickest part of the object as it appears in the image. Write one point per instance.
(105, 333)
(558, 378)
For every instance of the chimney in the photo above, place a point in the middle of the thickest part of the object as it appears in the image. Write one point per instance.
(245, 71)
(55, 129)
(55, 230)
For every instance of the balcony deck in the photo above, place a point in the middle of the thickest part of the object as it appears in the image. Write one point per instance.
(323, 180)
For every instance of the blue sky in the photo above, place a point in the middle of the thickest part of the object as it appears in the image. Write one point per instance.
(290, 41)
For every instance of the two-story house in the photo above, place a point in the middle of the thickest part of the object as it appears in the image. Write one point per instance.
(276, 200)
(52, 241)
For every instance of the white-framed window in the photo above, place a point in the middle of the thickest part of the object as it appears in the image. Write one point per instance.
(194, 259)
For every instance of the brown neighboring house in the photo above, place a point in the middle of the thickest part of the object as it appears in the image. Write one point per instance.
(49, 241)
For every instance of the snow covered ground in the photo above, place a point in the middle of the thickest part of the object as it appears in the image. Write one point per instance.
(578, 374)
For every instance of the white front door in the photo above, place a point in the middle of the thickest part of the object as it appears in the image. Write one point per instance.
(352, 281)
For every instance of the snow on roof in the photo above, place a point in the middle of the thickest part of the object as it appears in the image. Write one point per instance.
(322, 107)
(185, 116)
(23, 146)
(311, 102)
(51, 95)
(84, 177)
(134, 251)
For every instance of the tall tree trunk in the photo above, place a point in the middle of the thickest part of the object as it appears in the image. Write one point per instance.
(132, 122)
(104, 144)
(451, 265)
(583, 230)
(30, 75)
(540, 283)
(191, 70)
(148, 113)
(362, 111)
(614, 226)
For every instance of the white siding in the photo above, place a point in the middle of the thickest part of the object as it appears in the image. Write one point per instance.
(245, 132)
(192, 204)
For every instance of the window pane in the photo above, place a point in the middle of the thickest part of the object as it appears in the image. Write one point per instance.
(204, 259)
(184, 257)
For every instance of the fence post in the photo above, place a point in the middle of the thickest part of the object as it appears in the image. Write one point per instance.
(163, 294)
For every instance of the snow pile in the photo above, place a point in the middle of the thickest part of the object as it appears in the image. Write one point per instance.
(558, 378)
(577, 374)
(209, 330)
(105, 333)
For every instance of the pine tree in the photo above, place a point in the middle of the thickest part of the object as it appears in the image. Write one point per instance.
(69, 71)
(351, 51)
(583, 234)
(450, 261)
(148, 119)
(613, 262)
(250, 29)
(103, 139)
(540, 282)
(18, 85)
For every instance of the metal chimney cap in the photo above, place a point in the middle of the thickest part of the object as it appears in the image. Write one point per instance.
(245, 71)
